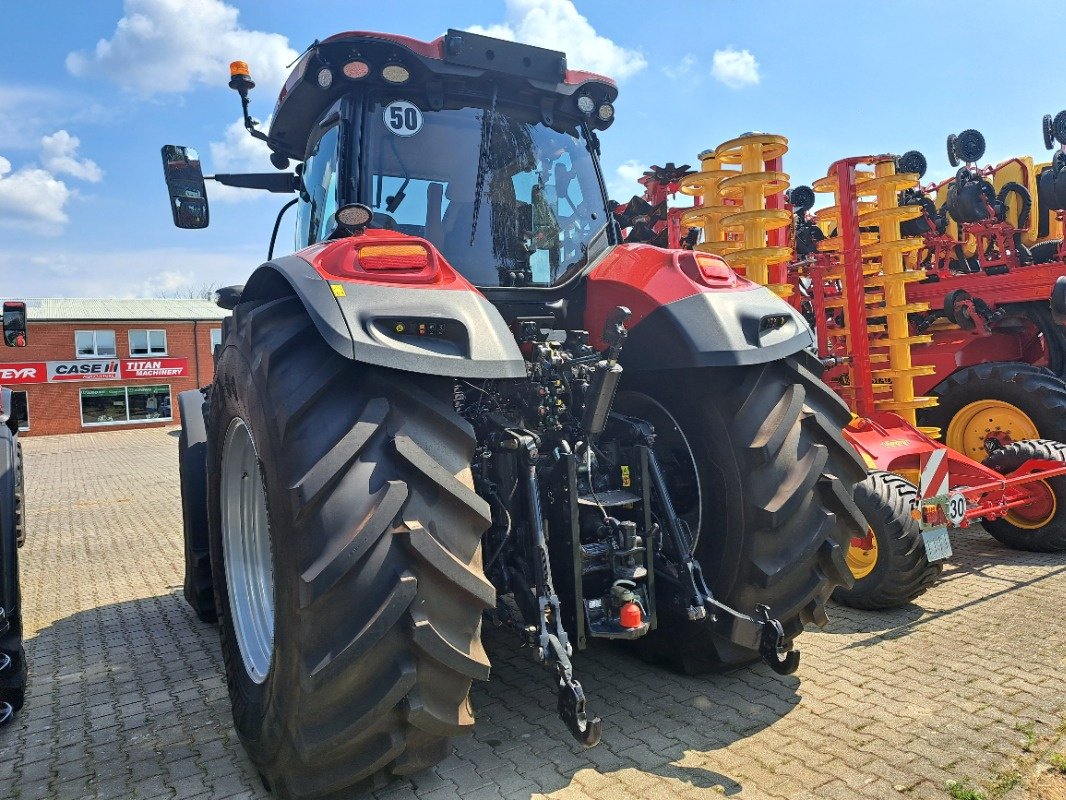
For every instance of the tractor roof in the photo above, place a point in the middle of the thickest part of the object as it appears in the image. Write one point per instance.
(458, 63)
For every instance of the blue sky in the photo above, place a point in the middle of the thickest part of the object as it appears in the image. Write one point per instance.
(89, 91)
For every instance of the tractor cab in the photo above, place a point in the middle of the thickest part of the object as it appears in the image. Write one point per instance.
(484, 148)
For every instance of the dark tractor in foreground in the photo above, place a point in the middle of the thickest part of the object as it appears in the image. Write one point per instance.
(12, 533)
(463, 398)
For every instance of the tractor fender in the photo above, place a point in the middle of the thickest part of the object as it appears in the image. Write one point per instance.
(690, 310)
(9, 597)
(454, 333)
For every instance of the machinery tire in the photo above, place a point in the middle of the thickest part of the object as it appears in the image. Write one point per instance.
(1031, 397)
(13, 677)
(374, 534)
(1050, 535)
(1045, 252)
(775, 506)
(192, 471)
(901, 572)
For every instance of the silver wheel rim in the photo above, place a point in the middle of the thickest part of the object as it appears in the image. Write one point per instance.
(246, 551)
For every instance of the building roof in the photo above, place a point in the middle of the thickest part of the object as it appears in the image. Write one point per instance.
(56, 309)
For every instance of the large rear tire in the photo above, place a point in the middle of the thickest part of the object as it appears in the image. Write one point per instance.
(892, 569)
(351, 658)
(1040, 526)
(988, 406)
(765, 479)
(13, 671)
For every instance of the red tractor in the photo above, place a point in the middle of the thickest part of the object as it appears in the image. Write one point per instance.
(463, 395)
(12, 533)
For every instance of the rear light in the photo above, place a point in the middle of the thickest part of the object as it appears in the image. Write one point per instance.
(395, 73)
(605, 112)
(325, 77)
(356, 70)
(705, 269)
(586, 104)
(377, 257)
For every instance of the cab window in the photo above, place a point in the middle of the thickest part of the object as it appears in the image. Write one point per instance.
(314, 221)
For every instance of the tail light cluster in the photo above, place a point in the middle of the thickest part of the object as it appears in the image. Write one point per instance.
(383, 257)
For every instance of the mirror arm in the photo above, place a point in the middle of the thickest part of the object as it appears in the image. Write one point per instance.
(280, 183)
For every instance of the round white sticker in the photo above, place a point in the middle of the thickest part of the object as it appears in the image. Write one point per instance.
(956, 507)
(403, 118)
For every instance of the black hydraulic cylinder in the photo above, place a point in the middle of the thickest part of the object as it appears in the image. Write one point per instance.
(600, 396)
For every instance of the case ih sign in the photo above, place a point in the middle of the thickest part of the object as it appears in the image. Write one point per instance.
(93, 370)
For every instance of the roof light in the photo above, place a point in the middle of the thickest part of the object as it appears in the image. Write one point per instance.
(606, 112)
(356, 70)
(586, 104)
(395, 73)
(325, 77)
(353, 216)
(239, 76)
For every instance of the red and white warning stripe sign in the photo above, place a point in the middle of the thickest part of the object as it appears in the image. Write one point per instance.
(934, 468)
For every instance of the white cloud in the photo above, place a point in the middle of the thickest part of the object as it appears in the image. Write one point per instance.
(556, 24)
(163, 46)
(59, 156)
(239, 152)
(32, 198)
(683, 69)
(735, 68)
(622, 185)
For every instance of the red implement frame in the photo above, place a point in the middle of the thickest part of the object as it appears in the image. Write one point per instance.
(889, 442)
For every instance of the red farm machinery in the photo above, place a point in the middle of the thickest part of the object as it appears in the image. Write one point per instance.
(917, 343)
(464, 397)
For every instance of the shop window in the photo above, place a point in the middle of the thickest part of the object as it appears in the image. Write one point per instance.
(148, 343)
(20, 410)
(95, 344)
(216, 338)
(117, 405)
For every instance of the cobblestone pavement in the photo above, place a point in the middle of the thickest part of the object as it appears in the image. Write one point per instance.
(128, 700)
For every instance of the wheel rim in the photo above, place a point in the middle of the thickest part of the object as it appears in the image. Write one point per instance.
(862, 555)
(987, 425)
(246, 551)
(674, 455)
(1038, 512)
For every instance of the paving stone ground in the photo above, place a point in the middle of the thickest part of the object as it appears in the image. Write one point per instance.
(128, 700)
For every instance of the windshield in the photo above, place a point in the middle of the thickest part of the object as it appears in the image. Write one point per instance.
(541, 204)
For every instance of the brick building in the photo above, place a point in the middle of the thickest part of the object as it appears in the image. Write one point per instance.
(94, 365)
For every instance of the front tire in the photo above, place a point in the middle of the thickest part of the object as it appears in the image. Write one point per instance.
(361, 523)
(770, 501)
(891, 568)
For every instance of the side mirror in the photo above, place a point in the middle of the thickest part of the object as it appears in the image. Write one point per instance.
(15, 324)
(185, 184)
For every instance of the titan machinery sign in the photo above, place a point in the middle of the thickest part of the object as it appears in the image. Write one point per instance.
(113, 369)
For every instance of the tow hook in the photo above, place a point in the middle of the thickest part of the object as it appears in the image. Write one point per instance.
(571, 704)
(771, 643)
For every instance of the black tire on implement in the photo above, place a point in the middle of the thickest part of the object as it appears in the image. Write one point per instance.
(1036, 391)
(375, 536)
(775, 509)
(1051, 536)
(902, 572)
(13, 678)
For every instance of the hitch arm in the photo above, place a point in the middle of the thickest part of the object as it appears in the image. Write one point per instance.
(553, 645)
(761, 632)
